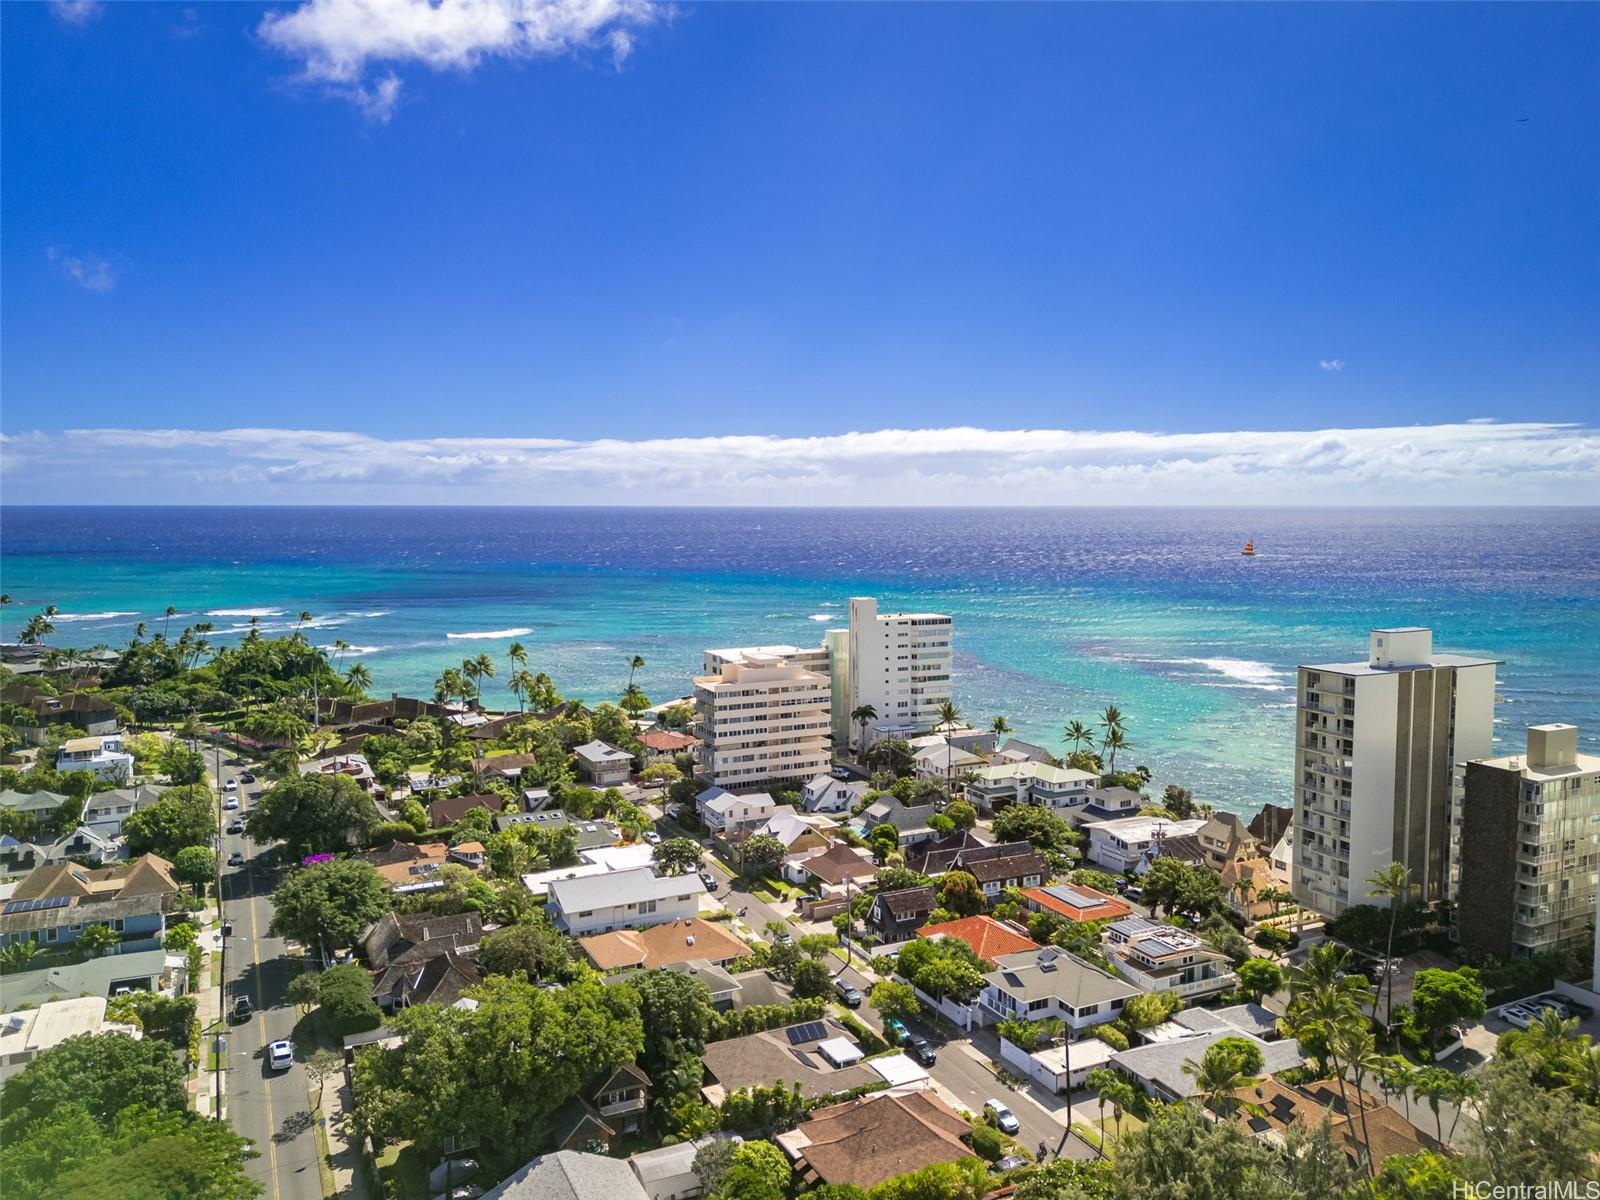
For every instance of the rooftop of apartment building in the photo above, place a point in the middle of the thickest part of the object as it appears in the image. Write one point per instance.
(1407, 648)
(1552, 754)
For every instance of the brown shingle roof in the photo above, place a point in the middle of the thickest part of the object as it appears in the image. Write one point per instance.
(663, 945)
(452, 809)
(880, 1136)
(149, 874)
(839, 861)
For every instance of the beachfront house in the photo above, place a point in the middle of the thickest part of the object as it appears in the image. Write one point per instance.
(603, 765)
(622, 900)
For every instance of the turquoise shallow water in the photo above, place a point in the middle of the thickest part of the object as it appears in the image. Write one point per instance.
(1058, 611)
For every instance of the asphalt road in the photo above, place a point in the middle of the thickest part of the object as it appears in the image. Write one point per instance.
(269, 1107)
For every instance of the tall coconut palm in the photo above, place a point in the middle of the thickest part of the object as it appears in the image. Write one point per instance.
(485, 670)
(1113, 741)
(1353, 1047)
(862, 716)
(1394, 883)
(1218, 1075)
(1111, 718)
(999, 727)
(1078, 735)
(634, 664)
(950, 721)
(517, 653)
(167, 615)
(358, 677)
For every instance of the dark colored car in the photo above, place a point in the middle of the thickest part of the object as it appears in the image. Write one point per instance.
(242, 1009)
(849, 996)
(246, 777)
(922, 1051)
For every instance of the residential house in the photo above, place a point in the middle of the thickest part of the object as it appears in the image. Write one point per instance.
(944, 762)
(1075, 902)
(1243, 880)
(29, 1032)
(1065, 790)
(689, 940)
(603, 765)
(1049, 982)
(1016, 750)
(152, 970)
(417, 874)
(792, 1055)
(55, 922)
(895, 916)
(149, 874)
(622, 900)
(1268, 825)
(1269, 1109)
(104, 812)
(1053, 1065)
(1184, 848)
(1117, 845)
(1161, 958)
(591, 835)
(875, 1137)
(468, 854)
(1111, 804)
(603, 1110)
(101, 753)
(1224, 838)
(419, 958)
(40, 805)
(936, 857)
(90, 712)
(834, 869)
(726, 990)
(18, 857)
(80, 845)
(990, 940)
(733, 817)
(597, 860)
(668, 1173)
(1008, 865)
(446, 812)
(799, 834)
(664, 745)
(911, 823)
(825, 794)
(1158, 1068)
(570, 1175)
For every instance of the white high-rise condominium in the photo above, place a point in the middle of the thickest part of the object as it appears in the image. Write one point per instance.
(1376, 745)
(762, 715)
(899, 663)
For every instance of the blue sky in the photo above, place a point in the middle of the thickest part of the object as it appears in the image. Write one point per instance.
(632, 232)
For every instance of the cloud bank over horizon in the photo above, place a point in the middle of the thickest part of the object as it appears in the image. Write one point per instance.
(1472, 462)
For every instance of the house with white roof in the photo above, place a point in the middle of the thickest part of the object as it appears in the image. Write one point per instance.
(1064, 790)
(1117, 845)
(1016, 750)
(825, 794)
(1158, 1068)
(622, 900)
(800, 834)
(733, 817)
(602, 764)
(28, 1033)
(101, 753)
(601, 860)
(667, 1173)
(1161, 958)
(941, 761)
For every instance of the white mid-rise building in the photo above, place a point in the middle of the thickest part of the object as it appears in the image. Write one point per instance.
(1376, 744)
(762, 714)
(899, 664)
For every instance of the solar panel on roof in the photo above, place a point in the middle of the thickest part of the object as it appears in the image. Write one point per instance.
(811, 1031)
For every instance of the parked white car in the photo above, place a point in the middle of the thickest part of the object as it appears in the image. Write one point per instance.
(1003, 1117)
(280, 1056)
(1518, 1015)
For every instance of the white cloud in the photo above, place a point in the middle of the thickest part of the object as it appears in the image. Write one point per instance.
(1465, 463)
(77, 13)
(88, 271)
(337, 41)
(1331, 364)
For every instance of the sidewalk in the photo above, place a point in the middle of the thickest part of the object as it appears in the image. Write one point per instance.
(345, 1159)
(209, 1011)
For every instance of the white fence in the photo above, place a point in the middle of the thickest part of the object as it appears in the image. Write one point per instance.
(964, 1015)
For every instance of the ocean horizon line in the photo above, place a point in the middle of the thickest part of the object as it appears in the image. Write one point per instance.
(789, 508)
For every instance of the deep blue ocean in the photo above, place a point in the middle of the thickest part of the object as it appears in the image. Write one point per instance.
(1058, 612)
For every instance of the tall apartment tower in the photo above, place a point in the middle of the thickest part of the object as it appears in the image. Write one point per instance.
(762, 715)
(1376, 744)
(899, 663)
(1525, 847)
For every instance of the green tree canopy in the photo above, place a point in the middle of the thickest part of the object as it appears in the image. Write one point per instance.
(1030, 823)
(328, 905)
(532, 951)
(184, 816)
(962, 894)
(677, 855)
(1442, 998)
(314, 814)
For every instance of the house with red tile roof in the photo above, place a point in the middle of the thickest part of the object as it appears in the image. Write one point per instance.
(659, 745)
(988, 937)
(1076, 903)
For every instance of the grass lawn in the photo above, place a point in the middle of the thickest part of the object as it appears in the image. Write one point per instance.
(403, 1164)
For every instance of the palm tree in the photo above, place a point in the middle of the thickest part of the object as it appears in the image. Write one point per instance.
(36, 630)
(1393, 882)
(140, 630)
(340, 647)
(518, 654)
(1113, 741)
(1218, 1075)
(1101, 1080)
(862, 716)
(1111, 718)
(634, 664)
(999, 727)
(1243, 887)
(1077, 735)
(1323, 995)
(304, 617)
(17, 955)
(485, 670)
(1352, 1044)
(171, 611)
(358, 677)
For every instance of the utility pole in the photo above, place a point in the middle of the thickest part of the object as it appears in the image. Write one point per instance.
(222, 920)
